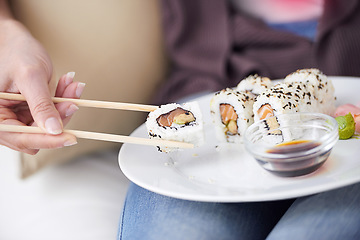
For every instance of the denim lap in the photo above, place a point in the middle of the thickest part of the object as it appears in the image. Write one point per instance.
(148, 215)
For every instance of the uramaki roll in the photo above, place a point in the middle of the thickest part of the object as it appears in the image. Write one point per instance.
(321, 87)
(231, 112)
(176, 122)
(254, 84)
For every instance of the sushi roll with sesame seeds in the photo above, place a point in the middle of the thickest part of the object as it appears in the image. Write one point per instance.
(254, 84)
(176, 122)
(280, 99)
(283, 98)
(322, 88)
(231, 112)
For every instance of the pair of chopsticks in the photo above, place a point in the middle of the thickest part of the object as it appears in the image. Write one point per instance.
(88, 103)
(95, 135)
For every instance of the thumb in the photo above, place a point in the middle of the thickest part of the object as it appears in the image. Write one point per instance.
(37, 95)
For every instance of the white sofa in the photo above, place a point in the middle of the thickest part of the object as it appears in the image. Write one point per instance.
(81, 199)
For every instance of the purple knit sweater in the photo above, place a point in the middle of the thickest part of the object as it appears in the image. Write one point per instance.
(211, 46)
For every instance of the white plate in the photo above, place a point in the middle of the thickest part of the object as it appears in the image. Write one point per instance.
(229, 173)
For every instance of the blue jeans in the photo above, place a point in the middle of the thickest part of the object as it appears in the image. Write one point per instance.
(330, 215)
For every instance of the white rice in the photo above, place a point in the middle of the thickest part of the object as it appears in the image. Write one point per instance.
(254, 84)
(322, 88)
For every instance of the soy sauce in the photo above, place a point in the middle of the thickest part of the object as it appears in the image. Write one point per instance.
(293, 146)
(298, 166)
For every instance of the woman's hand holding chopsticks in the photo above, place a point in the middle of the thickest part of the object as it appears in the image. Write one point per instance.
(26, 100)
(26, 68)
(25, 73)
(19, 113)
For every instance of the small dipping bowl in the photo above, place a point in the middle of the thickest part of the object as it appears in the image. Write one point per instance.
(296, 144)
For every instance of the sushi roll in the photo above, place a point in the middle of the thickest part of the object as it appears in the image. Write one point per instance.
(281, 99)
(254, 84)
(321, 88)
(231, 112)
(176, 122)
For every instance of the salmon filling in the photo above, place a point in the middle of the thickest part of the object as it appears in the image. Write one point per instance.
(266, 111)
(178, 116)
(229, 118)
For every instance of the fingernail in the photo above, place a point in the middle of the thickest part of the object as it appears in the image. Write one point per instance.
(79, 89)
(53, 126)
(69, 143)
(71, 110)
(69, 77)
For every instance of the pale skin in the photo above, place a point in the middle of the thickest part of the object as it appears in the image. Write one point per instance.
(26, 68)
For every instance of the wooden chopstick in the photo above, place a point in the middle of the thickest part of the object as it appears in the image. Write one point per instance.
(100, 136)
(88, 103)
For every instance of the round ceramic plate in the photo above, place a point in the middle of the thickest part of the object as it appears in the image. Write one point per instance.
(227, 173)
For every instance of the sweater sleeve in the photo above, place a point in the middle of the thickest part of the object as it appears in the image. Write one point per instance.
(197, 42)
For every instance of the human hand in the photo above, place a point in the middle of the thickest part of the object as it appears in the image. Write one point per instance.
(18, 113)
(26, 68)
